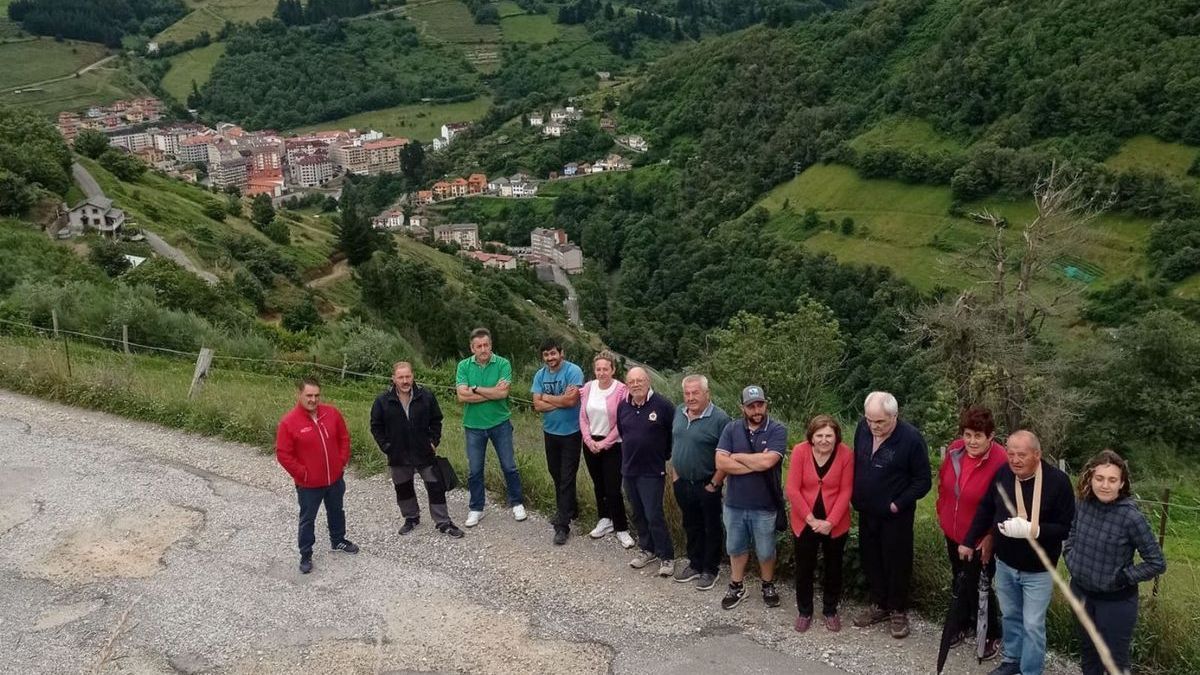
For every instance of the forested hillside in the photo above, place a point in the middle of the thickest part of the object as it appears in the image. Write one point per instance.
(104, 21)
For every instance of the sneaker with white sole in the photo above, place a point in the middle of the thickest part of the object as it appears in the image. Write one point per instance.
(625, 539)
(519, 513)
(473, 518)
(605, 526)
(644, 558)
(666, 568)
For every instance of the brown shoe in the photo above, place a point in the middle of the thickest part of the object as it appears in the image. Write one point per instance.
(833, 623)
(899, 627)
(870, 616)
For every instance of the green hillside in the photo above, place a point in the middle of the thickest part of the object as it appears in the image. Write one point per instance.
(191, 67)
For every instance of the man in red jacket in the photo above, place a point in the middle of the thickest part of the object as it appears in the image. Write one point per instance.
(313, 445)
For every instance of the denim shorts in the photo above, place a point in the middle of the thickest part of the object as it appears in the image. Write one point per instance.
(746, 526)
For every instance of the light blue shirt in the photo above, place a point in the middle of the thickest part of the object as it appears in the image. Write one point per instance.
(560, 421)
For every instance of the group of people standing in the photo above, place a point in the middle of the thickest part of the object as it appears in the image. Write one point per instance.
(995, 503)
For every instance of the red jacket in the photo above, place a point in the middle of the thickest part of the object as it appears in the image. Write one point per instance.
(803, 486)
(956, 507)
(314, 452)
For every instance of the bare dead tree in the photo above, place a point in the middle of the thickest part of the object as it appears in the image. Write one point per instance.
(987, 338)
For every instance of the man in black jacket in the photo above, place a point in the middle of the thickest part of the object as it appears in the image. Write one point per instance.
(891, 473)
(1043, 507)
(407, 424)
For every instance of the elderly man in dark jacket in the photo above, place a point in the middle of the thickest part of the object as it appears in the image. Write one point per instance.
(407, 424)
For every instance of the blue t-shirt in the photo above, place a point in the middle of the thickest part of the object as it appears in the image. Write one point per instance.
(751, 491)
(560, 421)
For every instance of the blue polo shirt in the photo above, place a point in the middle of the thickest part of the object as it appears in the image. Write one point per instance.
(560, 421)
(751, 490)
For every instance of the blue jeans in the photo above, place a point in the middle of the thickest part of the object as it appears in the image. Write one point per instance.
(746, 526)
(502, 439)
(1024, 598)
(645, 495)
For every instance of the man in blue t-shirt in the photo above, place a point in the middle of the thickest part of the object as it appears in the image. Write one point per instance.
(750, 453)
(556, 395)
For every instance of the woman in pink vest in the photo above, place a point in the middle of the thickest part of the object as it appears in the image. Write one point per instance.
(967, 474)
(602, 447)
(820, 480)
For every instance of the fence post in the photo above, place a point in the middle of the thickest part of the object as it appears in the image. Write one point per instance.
(67, 351)
(54, 321)
(125, 338)
(344, 363)
(203, 362)
(1162, 532)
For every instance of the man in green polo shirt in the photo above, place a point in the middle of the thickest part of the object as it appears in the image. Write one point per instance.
(483, 381)
(697, 483)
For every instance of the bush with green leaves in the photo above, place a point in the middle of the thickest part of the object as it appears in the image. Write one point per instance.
(91, 143)
(123, 165)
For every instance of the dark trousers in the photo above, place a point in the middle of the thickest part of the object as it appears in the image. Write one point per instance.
(605, 469)
(646, 497)
(310, 502)
(406, 493)
(971, 588)
(701, 512)
(1115, 620)
(833, 551)
(886, 547)
(562, 459)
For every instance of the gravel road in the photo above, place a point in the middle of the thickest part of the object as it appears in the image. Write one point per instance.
(143, 550)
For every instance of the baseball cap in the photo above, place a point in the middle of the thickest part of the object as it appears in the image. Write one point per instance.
(753, 394)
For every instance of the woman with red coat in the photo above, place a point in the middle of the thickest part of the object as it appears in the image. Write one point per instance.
(820, 479)
(966, 476)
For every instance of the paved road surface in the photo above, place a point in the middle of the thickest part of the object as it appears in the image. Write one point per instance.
(191, 541)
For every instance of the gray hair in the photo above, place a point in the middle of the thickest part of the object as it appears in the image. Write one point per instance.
(1034, 441)
(883, 401)
(696, 379)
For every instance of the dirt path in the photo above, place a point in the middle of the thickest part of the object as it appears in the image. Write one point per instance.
(85, 69)
(180, 551)
(341, 270)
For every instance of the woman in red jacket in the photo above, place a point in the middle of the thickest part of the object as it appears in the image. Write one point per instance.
(820, 479)
(967, 473)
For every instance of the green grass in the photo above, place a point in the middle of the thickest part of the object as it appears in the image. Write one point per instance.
(1147, 153)
(450, 21)
(96, 87)
(198, 21)
(420, 121)
(531, 28)
(32, 61)
(209, 15)
(192, 66)
(903, 220)
(905, 133)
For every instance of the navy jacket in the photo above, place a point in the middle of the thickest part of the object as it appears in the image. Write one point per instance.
(896, 473)
(645, 435)
(1054, 522)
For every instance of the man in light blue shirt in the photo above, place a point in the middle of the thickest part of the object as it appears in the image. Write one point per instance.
(556, 395)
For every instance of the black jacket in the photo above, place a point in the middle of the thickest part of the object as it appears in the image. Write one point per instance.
(1054, 523)
(407, 440)
(898, 473)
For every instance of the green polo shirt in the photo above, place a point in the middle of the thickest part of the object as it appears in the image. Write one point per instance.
(694, 442)
(489, 413)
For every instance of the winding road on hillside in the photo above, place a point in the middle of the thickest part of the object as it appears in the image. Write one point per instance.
(91, 188)
(154, 550)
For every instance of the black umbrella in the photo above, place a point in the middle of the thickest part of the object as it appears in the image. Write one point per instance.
(960, 612)
(981, 621)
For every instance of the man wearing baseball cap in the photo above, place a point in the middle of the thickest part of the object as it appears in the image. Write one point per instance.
(750, 453)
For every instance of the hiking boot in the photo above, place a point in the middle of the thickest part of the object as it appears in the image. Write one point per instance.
(770, 595)
(803, 623)
(625, 539)
(686, 574)
(605, 526)
(733, 596)
(1007, 668)
(644, 558)
(346, 546)
(706, 582)
(409, 525)
(560, 535)
(957, 639)
(899, 625)
(473, 518)
(991, 649)
(833, 623)
(519, 513)
(870, 616)
(450, 529)
(305, 565)
(666, 568)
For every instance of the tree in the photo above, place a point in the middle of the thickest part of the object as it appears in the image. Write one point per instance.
(91, 143)
(16, 194)
(792, 356)
(233, 205)
(262, 211)
(412, 161)
(121, 164)
(108, 256)
(214, 210)
(356, 238)
(278, 232)
(303, 316)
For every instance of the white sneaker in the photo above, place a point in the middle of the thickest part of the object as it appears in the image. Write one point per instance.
(666, 568)
(473, 518)
(625, 539)
(519, 512)
(603, 527)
